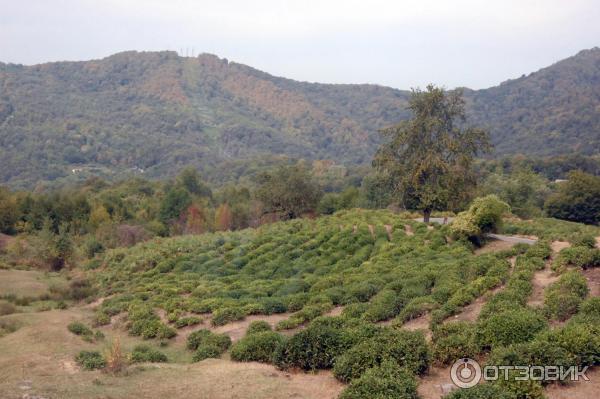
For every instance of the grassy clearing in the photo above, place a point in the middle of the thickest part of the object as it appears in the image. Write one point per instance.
(41, 355)
(28, 283)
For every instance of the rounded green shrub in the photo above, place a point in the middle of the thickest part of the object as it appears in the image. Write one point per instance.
(145, 353)
(407, 348)
(582, 341)
(207, 337)
(509, 327)
(561, 306)
(187, 321)
(274, 305)
(90, 360)
(583, 240)
(223, 316)
(453, 341)
(518, 389)
(589, 312)
(483, 216)
(206, 351)
(387, 381)
(355, 310)
(536, 352)
(562, 299)
(313, 348)
(258, 326)
(385, 305)
(101, 319)
(79, 328)
(481, 391)
(259, 347)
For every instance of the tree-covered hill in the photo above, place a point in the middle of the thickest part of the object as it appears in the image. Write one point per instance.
(553, 111)
(156, 112)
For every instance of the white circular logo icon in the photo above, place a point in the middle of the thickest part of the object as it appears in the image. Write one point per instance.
(465, 373)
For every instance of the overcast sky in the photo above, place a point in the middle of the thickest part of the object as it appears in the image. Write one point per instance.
(398, 43)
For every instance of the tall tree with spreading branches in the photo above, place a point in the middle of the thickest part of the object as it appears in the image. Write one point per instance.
(430, 156)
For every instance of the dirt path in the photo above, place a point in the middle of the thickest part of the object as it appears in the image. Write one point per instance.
(558, 246)
(389, 230)
(436, 384)
(593, 278)
(517, 239)
(237, 329)
(578, 389)
(543, 278)
(421, 323)
(372, 230)
(472, 311)
(337, 311)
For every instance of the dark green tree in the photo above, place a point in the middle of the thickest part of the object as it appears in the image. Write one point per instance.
(189, 178)
(288, 191)
(8, 212)
(174, 203)
(430, 156)
(577, 199)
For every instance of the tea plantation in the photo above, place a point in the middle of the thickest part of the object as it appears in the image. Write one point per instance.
(382, 270)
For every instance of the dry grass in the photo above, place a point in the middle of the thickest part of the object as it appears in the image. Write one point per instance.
(577, 390)
(39, 356)
(29, 283)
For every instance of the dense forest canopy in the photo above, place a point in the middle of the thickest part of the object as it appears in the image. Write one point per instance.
(153, 113)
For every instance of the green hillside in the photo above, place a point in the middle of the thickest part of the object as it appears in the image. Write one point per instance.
(346, 284)
(154, 112)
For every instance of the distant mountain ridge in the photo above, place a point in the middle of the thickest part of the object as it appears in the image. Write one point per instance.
(156, 112)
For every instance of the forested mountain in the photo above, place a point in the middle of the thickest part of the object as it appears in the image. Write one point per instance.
(553, 111)
(156, 112)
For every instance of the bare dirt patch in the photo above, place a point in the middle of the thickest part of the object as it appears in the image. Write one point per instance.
(593, 279)
(597, 242)
(471, 311)
(541, 280)
(97, 302)
(372, 230)
(409, 230)
(389, 230)
(578, 389)
(237, 329)
(436, 384)
(421, 323)
(558, 246)
(337, 311)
